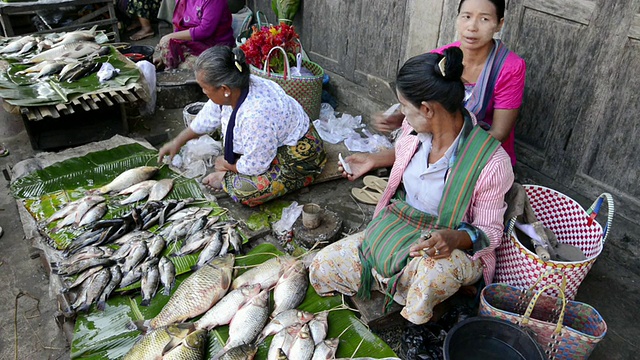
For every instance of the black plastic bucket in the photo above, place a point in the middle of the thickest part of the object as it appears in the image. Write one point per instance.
(486, 338)
(138, 52)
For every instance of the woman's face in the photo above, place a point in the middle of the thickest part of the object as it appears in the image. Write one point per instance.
(214, 93)
(414, 116)
(477, 23)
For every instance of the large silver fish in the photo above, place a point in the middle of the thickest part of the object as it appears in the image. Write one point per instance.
(265, 274)
(85, 204)
(242, 352)
(73, 50)
(128, 178)
(147, 184)
(152, 345)
(94, 214)
(193, 347)
(250, 319)
(16, 45)
(303, 346)
(161, 189)
(291, 288)
(326, 349)
(197, 293)
(222, 312)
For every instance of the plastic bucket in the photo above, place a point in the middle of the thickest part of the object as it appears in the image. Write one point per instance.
(485, 338)
(190, 111)
(138, 52)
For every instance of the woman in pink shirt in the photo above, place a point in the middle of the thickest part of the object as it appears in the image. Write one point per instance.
(493, 76)
(197, 26)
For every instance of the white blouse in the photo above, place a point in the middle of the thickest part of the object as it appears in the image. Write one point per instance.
(267, 120)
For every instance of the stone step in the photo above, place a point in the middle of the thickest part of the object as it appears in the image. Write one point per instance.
(176, 89)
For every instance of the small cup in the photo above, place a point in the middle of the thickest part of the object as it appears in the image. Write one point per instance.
(311, 215)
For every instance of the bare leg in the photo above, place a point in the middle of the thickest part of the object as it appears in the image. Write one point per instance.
(214, 180)
(145, 30)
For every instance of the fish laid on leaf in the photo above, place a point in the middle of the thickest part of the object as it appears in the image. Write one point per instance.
(16, 45)
(282, 341)
(303, 346)
(193, 347)
(319, 326)
(326, 349)
(265, 274)
(73, 50)
(242, 352)
(250, 319)
(222, 312)
(76, 36)
(161, 189)
(285, 319)
(128, 178)
(150, 281)
(197, 293)
(167, 275)
(152, 345)
(291, 288)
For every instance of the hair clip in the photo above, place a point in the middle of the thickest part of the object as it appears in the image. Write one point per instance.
(235, 60)
(441, 64)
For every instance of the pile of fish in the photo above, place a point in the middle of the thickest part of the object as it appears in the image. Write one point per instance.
(70, 55)
(243, 305)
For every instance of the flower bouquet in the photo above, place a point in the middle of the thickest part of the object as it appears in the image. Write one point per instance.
(257, 47)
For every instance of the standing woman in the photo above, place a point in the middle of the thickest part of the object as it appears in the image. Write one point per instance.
(493, 77)
(270, 146)
(142, 11)
(197, 26)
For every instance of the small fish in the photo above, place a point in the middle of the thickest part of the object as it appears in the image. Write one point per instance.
(319, 327)
(284, 320)
(98, 282)
(303, 346)
(16, 45)
(85, 204)
(114, 282)
(222, 312)
(152, 345)
(50, 69)
(235, 239)
(326, 349)
(80, 266)
(128, 178)
(167, 275)
(198, 241)
(149, 282)
(197, 293)
(63, 212)
(74, 50)
(282, 341)
(193, 347)
(211, 250)
(94, 214)
(81, 278)
(131, 277)
(136, 255)
(291, 288)
(155, 245)
(242, 352)
(147, 184)
(27, 47)
(161, 189)
(89, 253)
(250, 319)
(265, 274)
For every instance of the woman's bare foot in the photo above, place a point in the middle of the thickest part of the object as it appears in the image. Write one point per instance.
(143, 33)
(214, 180)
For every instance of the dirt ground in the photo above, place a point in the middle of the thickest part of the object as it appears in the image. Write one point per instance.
(28, 325)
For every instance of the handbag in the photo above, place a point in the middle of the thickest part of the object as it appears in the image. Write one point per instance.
(307, 90)
(565, 329)
(518, 266)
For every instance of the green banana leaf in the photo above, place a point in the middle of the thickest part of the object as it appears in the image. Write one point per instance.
(23, 90)
(106, 335)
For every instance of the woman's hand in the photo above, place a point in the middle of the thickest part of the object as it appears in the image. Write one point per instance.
(387, 123)
(360, 164)
(441, 244)
(169, 149)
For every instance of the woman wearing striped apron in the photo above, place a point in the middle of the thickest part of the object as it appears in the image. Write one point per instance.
(440, 218)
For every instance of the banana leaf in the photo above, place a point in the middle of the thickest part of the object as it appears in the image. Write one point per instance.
(106, 335)
(22, 90)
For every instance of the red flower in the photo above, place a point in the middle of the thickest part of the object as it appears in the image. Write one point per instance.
(257, 47)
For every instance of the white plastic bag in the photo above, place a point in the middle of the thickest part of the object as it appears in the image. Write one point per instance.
(148, 70)
(371, 143)
(333, 129)
(204, 148)
(289, 216)
(107, 72)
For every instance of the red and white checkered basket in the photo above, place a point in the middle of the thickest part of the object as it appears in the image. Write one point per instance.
(520, 267)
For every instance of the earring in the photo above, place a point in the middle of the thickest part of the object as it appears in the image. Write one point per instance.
(226, 94)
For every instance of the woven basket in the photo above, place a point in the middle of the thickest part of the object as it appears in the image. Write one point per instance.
(307, 90)
(520, 267)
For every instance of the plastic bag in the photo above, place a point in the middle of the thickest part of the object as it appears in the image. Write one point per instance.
(371, 143)
(148, 70)
(204, 148)
(289, 216)
(333, 129)
(107, 72)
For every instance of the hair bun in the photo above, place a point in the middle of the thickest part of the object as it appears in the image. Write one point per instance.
(450, 64)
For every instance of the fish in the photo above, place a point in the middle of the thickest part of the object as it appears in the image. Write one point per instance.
(211, 250)
(193, 347)
(147, 184)
(197, 293)
(222, 312)
(92, 292)
(265, 274)
(136, 255)
(283, 320)
(94, 214)
(16, 45)
(199, 241)
(326, 349)
(81, 278)
(50, 69)
(63, 212)
(303, 346)
(246, 324)
(235, 239)
(85, 204)
(74, 37)
(167, 274)
(27, 47)
(88, 253)
(85, 70)
(80, 266)
(155, 245)
(152, 345)
(282, 341)
(149, 282)
(319, 326)
(131, 277)
(135, 196)
(128, 178)
(74, 50)
(161, 189)
(291, 288)
(114, 282)
(242, 352)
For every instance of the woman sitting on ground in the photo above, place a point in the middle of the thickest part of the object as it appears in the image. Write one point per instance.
(493, 77)
(270, 146)
(441, 216)
(197, 26)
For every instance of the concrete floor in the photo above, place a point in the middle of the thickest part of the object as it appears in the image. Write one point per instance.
(28, 327)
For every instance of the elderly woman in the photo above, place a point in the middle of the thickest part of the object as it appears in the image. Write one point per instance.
(493, 78)
(270, 146)
(197, 26)
(441, 216)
